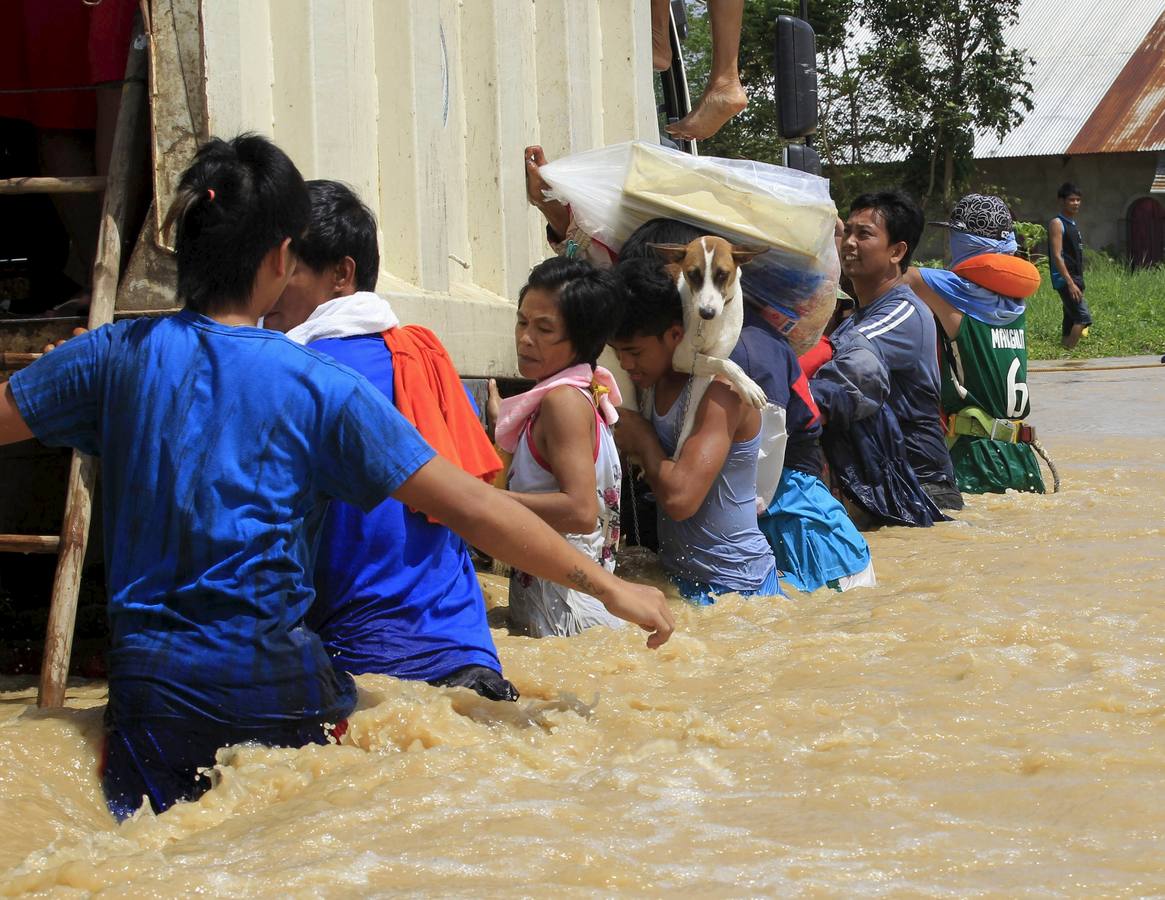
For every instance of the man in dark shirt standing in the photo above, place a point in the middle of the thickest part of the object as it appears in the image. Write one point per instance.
(1066, 261)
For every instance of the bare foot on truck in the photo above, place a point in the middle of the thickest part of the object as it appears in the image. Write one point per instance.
(721, 101)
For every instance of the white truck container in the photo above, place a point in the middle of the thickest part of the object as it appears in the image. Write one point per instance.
(424, 108)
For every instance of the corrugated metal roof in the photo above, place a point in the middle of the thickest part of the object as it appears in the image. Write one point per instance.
(1080, 48)
(1131, 116)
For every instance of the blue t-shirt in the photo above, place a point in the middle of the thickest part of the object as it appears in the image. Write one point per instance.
(220, 447)
(767, 359)
(395, 593)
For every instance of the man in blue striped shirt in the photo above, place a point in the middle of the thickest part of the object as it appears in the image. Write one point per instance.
(887, 351)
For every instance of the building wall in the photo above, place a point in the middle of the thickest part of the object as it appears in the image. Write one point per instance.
(424, 107)
(1110, 182)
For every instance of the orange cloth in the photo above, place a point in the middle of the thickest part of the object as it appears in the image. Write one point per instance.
(428, 392)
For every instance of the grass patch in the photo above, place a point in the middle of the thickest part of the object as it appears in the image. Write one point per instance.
(1128, 312)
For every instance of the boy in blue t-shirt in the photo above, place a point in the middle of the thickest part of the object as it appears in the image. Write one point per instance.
(396, 594)
(221, 444)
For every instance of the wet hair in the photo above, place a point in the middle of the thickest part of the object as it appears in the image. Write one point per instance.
(237, 201)
(653, 303)
(341, 225)
(657, 231)
(588, 299)
(903, 218)
(1068, 189)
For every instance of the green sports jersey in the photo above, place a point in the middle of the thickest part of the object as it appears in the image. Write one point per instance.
(986, 366)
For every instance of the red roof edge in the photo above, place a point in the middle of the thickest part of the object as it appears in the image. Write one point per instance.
(1131, 115)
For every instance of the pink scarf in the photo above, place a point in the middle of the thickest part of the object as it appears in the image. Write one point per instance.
(516, 410)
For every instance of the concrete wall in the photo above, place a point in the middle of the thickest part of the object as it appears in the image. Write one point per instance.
(1110, 182)
(424, 106)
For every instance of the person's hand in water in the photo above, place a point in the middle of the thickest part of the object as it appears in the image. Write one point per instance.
(557, 216)
(501, 527)
(646, 607)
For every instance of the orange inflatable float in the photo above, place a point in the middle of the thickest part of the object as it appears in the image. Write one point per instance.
(1002, 273)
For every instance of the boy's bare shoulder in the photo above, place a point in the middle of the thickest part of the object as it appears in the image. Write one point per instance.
(720, 394)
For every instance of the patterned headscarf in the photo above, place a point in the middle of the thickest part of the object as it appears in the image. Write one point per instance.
(979, 223)
(982, 215)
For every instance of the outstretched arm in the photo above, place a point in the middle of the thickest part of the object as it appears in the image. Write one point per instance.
(12, 424)
(506, 530)
(949, 317)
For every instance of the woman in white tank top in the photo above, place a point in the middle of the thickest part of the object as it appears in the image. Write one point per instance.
(539, 607)
(565, 465)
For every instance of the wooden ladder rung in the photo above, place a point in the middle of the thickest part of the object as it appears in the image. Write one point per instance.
(73, 184)
(29, 543)
(10, 360)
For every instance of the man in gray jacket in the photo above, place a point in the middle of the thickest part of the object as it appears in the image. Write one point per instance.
(887, 351)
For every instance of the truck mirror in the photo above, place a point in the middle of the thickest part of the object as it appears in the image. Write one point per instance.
(679, 14)
(803, 158)
(795, 65)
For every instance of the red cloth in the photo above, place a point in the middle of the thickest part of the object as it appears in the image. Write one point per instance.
(428, 392)
(816, 356)
(61, 43)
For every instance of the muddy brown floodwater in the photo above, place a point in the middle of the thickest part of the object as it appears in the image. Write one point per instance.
(988, 721)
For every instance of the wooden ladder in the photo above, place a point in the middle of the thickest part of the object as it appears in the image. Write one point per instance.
(73, 540)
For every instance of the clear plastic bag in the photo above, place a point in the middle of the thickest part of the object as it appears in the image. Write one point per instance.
(614, 190)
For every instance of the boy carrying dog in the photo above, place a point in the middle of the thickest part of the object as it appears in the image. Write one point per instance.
(709, 542)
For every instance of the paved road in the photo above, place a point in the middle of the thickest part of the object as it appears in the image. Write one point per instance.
(1111, 397)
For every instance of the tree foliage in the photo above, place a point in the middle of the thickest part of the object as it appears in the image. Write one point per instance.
(903, 80)
(944, 72)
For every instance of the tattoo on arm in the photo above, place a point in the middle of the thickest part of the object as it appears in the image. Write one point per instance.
(580, 580)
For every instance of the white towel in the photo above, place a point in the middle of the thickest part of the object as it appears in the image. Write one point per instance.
(361, 313)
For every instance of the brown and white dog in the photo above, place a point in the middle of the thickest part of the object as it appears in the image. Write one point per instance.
(707, 273)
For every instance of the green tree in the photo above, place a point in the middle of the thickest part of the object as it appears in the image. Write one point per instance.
(944, 72)
(912, 77)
